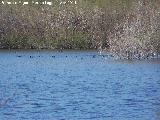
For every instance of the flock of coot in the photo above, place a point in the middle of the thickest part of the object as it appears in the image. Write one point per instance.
(53, 56)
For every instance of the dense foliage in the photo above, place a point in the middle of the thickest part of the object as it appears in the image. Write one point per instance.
(126, 28)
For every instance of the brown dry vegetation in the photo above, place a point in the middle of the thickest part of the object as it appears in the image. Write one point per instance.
(126, 29)
(137, 36)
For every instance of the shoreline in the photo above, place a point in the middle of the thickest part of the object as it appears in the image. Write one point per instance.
(50, 50)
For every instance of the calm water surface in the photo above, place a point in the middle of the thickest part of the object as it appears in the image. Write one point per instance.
(76, 85)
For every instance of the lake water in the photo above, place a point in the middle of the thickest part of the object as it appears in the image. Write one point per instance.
(77, 85)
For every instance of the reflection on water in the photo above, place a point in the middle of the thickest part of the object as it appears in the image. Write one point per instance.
(78, 85)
